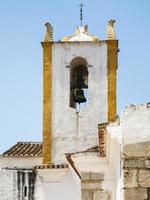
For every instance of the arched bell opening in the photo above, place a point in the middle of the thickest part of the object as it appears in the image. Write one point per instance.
(78, 83)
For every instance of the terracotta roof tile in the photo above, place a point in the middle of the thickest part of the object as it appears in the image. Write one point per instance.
(94, 149)
(24, 149)
(51, 166)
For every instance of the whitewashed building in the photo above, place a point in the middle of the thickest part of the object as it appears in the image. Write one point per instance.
(86, 153)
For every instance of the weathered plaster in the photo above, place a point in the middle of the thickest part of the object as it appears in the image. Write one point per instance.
(14, 181)
(135, 123)
(19, 162)
(72, 131)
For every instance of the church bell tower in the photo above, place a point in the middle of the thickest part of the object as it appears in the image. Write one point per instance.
(79, 90)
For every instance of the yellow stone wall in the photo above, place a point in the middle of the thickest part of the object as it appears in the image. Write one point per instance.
(47, 102)
(112, 80)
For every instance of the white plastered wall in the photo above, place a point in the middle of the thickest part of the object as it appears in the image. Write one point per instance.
(57, 186)
(109, 166)
(114, 149)
(71, 132)
(135, 123)
(19, 162)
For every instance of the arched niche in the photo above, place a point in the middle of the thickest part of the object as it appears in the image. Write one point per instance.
(78, 78)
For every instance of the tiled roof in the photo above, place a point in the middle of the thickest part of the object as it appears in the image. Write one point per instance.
(94, 149)
(24, 149)
(51, 166)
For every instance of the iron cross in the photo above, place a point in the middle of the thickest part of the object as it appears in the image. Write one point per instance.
(81, 14)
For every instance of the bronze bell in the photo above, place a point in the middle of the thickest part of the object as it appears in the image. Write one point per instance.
(79, 96)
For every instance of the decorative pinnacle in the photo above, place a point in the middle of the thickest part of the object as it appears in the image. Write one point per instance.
(81, 13)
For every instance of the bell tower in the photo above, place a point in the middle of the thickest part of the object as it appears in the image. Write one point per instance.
(79, 90)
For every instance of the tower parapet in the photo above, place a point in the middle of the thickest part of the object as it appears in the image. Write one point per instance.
(81, 34)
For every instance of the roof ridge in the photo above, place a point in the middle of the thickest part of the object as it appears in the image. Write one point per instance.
(11, 148)
(27, 142)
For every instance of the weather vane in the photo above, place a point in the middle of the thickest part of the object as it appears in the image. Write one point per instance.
(81, 14)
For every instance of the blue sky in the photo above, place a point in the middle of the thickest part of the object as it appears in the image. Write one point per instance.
(22, 30)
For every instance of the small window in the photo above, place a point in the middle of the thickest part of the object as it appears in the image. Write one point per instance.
(25, 191)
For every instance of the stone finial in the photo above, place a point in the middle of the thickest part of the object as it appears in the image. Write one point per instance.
(110, 30)
(49, 32)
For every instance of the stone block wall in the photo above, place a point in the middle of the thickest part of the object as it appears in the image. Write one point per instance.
(136, 171)
(91, 187)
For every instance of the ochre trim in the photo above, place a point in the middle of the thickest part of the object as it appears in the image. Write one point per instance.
(47, 102)
(112, 46)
